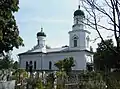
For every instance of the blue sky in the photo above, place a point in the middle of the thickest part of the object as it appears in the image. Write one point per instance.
(56, 18)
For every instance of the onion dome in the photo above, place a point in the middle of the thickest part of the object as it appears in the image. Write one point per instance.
(79, 12)
(41, 33)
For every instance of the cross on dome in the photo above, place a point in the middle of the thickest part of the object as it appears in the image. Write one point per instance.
(79, 12)
(41, 33)
(41, 29)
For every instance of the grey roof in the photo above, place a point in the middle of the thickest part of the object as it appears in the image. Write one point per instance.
(57, 49)
(51, 50)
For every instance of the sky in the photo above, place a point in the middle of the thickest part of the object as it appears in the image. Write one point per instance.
(56, 18)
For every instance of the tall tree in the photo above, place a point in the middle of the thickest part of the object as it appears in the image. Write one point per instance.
(104, 58)
(9, 34)
(104, 14)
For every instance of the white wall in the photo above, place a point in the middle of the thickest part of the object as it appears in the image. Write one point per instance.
(42, 40)
(79, 57)
(82, 41)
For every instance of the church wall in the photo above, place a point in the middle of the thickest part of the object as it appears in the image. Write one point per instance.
(28, 58)
(89, 57)
(79, 58)
(87, 42)
(81, 41)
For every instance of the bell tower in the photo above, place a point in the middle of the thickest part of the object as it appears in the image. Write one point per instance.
(79, 37)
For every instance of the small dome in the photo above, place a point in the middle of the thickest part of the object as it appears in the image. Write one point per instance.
(79, 13)
(41, 33)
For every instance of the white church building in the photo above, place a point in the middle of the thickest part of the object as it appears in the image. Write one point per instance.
(43, 58)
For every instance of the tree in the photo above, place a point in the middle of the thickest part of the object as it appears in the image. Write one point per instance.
(9, 34)
(6, 63)
(104, 57)
(66, 64)
(104, 14)
(15, 65)
(91, 80)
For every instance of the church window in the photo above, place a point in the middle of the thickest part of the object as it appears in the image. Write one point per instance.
(30, 66)
(35, 65)
(50, 65)
(31, 62)
(27, 65)
(75, 41)
(87, 41)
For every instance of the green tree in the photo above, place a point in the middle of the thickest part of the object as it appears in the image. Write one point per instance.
(99, 18)
(9, 33)
(104, 58)
(91, 80)
(15, 65)
(66, 64)
(6, 63)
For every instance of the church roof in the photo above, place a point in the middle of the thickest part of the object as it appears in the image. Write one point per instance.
(41, 33)
(79, 12)
(51, 50)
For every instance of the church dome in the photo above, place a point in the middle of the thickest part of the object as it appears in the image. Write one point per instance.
(79, 12)
(41, 33)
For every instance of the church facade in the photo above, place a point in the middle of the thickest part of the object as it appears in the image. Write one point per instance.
(42, 58)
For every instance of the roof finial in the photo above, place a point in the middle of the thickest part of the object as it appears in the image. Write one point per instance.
(41, 29)
(79, 7)
(79, 4)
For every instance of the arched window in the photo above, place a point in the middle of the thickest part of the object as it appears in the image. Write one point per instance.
(75, 41)
(50, 65)
(88, 39)
(27, 65)
(30, 66)
(35, 65)
(30, 62)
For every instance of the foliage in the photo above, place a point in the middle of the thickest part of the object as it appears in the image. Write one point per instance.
(50, 80)
(20, 74)
(9, 34)
(104, 58)
(61, 77)
(91, 80)
(6, 63)
(60, 86)
(105, 15)
(48, 85)
(39, 84)
(66, 64)
(61, 74)
(15, 65)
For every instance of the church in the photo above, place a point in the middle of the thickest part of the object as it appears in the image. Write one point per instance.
(43, 58)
